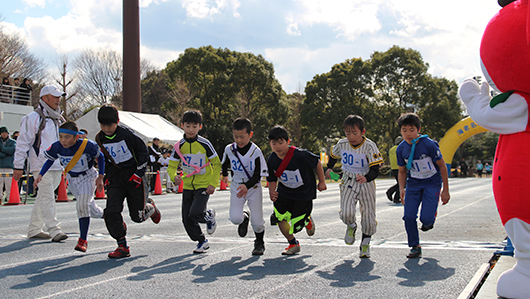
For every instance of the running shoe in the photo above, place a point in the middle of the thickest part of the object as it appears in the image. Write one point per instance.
(155, 215)
(415, 252)
(364, 251)
(242, 229)
(120, 252)
(349, 238)
(81, 245)
(211, 225)
(292, 249)
(202, 247)
(259, 248)
(310, 227)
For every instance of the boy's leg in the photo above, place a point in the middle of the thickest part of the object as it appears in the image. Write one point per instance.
(193, 212)
(236, 205)
(348, 201)
(255, 204)
(137, 202)
(367, 206)
(412, 203)
(113, 219)
(429, 206)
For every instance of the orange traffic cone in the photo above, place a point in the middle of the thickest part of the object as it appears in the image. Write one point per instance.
(181, 186)
(14, 197)
(62, 195)
(100, 195)
(222, 186)
(158, 184)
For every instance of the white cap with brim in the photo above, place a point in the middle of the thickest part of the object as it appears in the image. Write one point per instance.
(49, 89)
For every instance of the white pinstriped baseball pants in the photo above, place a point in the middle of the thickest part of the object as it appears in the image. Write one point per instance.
(83, 188)
(352, 192)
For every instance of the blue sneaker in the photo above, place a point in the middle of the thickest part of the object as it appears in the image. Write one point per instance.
(211, 225)
(202, 247)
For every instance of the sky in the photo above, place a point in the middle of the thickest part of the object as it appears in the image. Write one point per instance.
(301, 38)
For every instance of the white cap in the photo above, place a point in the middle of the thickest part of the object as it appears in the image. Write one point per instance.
(49, 89)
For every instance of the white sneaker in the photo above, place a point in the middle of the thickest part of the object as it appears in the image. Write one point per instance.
(211, 225)
(349, 238)
(202, 247)
(364, 251)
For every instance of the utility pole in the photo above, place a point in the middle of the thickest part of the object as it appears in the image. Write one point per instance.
(131, 56)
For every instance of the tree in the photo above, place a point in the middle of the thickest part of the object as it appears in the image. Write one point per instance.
(226, 84)
(68, 104)
(16, 59)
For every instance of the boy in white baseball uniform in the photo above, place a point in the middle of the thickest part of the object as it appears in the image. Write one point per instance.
(78, 156)
(360, 160)
(245, 160)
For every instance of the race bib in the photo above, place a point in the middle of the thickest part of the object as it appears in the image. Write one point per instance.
(354, 162)
(422, 169)
(238, 167)
(193, 159)
(118, 151)
(291, 179)
(80, 166)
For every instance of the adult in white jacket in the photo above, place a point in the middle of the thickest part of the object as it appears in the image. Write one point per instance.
(43, 222)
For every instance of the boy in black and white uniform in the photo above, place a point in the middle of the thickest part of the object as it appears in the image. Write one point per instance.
(293, 201)
(246, 161)
(360, 160)
(125, 162)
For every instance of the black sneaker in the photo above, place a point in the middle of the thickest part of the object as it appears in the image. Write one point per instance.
(415, 252)
(259, 248)
(242, 229)
(426, 227)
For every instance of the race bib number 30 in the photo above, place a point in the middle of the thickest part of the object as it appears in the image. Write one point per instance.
(422, 169)
(118, 151)
(291, 179)
(194, 159)
(354, 162)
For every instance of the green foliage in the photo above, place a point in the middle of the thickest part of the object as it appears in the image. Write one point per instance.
(225, 85)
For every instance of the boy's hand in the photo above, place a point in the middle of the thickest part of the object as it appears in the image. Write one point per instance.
(242, 191)
(225, 180)
(99, 183)
(361, 179)
(136, 179)
(178, 180)
(322, 186)
(445, 197)
(327, 173)
(37, 181)
(273, 194)
(402, 195)
(210, 189)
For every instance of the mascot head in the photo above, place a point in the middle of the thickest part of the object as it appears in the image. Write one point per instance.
(505, 48)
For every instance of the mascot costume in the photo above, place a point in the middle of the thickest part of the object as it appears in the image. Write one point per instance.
(505, 61)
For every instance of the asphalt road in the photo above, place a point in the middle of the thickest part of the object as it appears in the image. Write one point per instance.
(467, 232)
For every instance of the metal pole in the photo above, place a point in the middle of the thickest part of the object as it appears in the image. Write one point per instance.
(131, 56)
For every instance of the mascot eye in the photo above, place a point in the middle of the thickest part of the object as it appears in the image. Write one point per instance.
(503, 3)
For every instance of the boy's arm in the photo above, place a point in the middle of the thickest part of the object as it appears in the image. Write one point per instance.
(172, 169)
(101, 163)
(142, 156)
(445, 180)
(402, 178)
(273, 194)
(321, 177)
(42, 172)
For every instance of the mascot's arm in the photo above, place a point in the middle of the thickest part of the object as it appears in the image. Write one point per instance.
(508, 117)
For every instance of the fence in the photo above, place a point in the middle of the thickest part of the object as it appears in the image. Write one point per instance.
(15, 95)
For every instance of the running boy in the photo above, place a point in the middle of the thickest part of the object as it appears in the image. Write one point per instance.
(293, 200)
(201, 168)
(248, 165)
(126, 160)
(360, 160)
(422, 168)
(78, 156)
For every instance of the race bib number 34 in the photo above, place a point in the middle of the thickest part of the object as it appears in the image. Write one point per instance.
(291, 179)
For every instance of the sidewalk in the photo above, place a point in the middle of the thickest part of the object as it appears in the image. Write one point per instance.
(488, 290)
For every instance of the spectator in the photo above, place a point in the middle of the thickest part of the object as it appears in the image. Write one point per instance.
(15, 135)
(25, 92)
(463, 168)
(164, 163)
(5, 91)
(7, 151)
(480, 167)
(393, 192)
(154, 156)
(488, 169)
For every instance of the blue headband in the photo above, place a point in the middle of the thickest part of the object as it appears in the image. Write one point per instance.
(66, 131)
